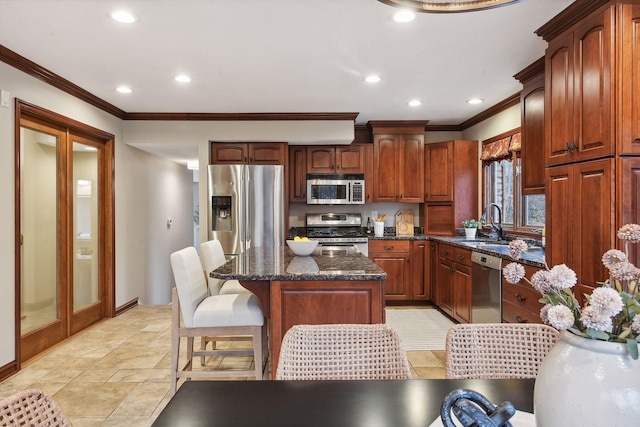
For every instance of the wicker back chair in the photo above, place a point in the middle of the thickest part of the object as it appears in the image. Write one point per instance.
(497, 350)
(342, 352)
(31, 408)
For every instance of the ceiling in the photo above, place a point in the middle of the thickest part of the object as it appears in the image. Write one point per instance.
(284, 56)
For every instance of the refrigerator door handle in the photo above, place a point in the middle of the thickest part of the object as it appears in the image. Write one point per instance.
(247, 215)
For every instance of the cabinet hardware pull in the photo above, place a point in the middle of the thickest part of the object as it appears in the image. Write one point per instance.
(451, 269)
(461, 257)
(446, 252)
(520, 319)
(573, 146)
(566, 147)
(520, 297)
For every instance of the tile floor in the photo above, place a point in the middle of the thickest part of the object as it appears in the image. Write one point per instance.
(117, 372)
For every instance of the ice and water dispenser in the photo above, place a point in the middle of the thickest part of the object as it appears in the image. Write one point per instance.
(221, 217)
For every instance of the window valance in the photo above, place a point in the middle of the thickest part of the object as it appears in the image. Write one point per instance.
(503, 148)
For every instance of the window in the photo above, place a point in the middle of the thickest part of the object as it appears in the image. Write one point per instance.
(502, 186)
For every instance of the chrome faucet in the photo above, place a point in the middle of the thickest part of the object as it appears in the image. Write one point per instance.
(497, 228)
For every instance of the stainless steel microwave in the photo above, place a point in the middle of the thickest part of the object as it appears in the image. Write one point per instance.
(335, 189)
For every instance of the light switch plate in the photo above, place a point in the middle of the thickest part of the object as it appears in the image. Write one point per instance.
(4, 98)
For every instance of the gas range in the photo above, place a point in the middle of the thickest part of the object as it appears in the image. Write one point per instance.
(337, 231)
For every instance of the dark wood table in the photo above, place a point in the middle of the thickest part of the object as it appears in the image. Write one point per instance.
(397, 403)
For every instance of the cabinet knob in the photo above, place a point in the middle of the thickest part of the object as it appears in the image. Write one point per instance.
(573, 146)
(520, 297)
(388, 248)
(520, 319)
(462, 257)
(566, 147)
(445, 252)
(451, 269)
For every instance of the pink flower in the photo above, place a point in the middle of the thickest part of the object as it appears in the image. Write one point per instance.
(541, 282)
(560, 317)
(517, 248)
(513, 272)
(630, 232)
(562, 277)
(635, 325)
(606, 301)
(624, 271)
(591, 319)
(612, 257)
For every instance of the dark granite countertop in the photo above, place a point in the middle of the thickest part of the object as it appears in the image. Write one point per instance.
(282, 264)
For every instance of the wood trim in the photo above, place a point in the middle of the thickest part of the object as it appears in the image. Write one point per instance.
(126, 306)
(444, 128)
(492, 111)
(17, 234)
(7, 370)
(573, 14)
(31, 68)
(398, 123)
(502, 135)
(530, 72)
(239, 116)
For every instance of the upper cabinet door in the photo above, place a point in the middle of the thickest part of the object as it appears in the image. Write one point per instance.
(411, 168)
(439, 172)
(559, 102)
(350, 159)
(593, 87)
(532, 106)
(385, 161)
(297, 173)
(321, 159)
(267, 153)
(629, 103)
(228, 154)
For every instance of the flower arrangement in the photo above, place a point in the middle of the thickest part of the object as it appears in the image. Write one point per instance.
(611, 311)
(470, 223)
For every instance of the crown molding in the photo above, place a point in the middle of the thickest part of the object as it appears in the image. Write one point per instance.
(240, 116)
(573, 14)
(492, 111)
(533, 70)
(444, 128)
(31, 68)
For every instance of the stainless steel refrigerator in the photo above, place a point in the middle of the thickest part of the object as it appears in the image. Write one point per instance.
(246, 206)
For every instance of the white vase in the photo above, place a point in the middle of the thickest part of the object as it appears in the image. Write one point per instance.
(470, 233)
(585, 382)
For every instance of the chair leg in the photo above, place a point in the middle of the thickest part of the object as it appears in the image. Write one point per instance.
(175, 341)
(257, 351)
(203, 347)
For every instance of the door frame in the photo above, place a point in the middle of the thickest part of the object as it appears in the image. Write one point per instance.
(106, 218)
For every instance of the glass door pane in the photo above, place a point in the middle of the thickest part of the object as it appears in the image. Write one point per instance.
(40, 298)
(85, 225)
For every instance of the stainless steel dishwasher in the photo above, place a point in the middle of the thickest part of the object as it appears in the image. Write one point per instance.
(486, 300)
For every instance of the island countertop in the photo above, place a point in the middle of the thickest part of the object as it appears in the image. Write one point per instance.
(282, 264)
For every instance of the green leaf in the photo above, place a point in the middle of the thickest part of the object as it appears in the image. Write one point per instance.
(598, 335)
(632, 345)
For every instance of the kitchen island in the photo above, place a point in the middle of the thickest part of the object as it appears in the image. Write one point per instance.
(314, 289)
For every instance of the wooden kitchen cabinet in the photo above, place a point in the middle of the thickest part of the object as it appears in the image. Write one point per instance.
(520, 300)
(398, 161)
(454, 282)
(343, 159)
(298, 173)
(532, 99)
(252, 153)
(393, 256)
(420, 280)
(580, 214)
(629, 80)
(628, 204)
(451, 186)
(579, 88)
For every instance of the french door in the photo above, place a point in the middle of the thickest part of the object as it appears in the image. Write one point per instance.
(64, 228)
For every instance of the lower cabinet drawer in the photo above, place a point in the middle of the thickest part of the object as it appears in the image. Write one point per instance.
(513, 314)
(523, 296)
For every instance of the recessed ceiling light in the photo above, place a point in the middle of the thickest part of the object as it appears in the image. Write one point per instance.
(124, 89)
(473, 101)
(415, 103)
(124, 17)
(372, 78)
(404, 16)
(182, 78)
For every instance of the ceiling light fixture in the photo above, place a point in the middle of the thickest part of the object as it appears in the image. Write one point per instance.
(124, 17)
(447, 6)
(404, 16)
(372, 78)
(182, 78)
(124, 89)
(415, 103)
(474, 101)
